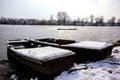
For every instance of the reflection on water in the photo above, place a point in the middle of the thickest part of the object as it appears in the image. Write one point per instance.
(69, 34)
(108, 34)
(7, 32)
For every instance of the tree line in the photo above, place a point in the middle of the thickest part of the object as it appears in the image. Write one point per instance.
(62, 18)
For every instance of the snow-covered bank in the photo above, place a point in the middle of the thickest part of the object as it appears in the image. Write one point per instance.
(107, 69)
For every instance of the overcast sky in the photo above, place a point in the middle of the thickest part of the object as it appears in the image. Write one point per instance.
(40, 9)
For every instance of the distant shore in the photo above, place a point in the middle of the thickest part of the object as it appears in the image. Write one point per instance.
(98, 21)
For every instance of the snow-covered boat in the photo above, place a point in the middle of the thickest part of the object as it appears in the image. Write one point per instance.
(85, 50)
(47, 60)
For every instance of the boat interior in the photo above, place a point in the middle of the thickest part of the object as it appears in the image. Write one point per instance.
(32, 43)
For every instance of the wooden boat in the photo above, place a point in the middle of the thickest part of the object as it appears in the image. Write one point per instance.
(32, 57)
(67, 29)
(85, 50)
(51, 42)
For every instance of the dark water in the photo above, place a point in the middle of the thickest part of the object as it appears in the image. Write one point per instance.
(8, 32)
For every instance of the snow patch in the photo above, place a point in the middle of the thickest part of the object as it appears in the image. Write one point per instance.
(44, 53)
(34, 79)
(91, 44)
(14, 77)
(107, 69)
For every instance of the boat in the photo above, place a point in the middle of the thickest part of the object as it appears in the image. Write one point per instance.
(66, 28)
(51, 42)
(85, 50)
(46, 60)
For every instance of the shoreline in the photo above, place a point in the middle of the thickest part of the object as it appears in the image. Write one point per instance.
(8, 72)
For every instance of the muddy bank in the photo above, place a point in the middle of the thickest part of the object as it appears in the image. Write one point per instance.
(6, 70)
(9, 72)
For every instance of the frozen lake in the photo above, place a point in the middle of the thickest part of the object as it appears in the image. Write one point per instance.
(8, 32)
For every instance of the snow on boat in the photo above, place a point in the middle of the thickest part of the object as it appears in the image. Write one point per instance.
(46, 59)
(85, 50)
(90, 50)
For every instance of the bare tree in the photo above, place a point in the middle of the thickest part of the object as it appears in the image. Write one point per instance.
(101, 20)
(51, 20)
(62, 18)
(96, 21)
(91, 18)
(113, 20)
(118, 22)
(51, 17)
(86, 20)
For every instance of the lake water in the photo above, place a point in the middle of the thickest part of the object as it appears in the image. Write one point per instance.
(8, 32)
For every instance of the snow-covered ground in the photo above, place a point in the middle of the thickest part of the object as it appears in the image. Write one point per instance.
(107, 69)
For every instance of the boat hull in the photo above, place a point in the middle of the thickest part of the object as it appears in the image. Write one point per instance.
(48, 67)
